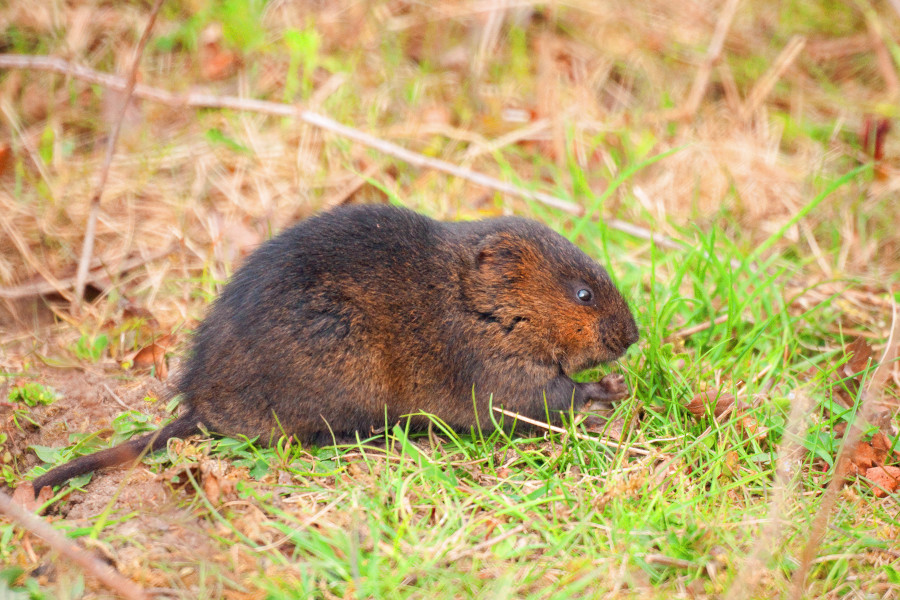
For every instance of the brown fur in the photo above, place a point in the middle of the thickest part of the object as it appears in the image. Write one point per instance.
(361, 316)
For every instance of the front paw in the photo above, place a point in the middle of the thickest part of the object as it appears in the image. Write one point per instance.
(610, 388)
(614, 385)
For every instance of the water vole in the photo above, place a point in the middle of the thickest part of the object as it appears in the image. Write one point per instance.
(360, 316)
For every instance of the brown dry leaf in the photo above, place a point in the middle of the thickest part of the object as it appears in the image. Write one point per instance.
(839, 430)
(750, 426)
(884, 477)
(148, 356)
(720, 401)
(732, 466)
(154, 355)
(211, 487)
(5, 158)
(860, 352)
(216, 62)
(873, 136)
(880, 445)
(24, 496)
(864, 456)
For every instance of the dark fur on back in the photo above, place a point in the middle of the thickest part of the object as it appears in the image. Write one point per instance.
(357, 317)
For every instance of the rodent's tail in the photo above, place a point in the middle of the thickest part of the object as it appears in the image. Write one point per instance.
(185, 425)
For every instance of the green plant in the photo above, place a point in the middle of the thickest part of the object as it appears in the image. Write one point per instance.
(303, 52)
(32, 393)
(91, 347)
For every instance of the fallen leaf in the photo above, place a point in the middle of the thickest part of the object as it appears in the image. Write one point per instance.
(750, 426)
(216, 62)
(839, 430)
(732, 466)
(718, 401)
(880, 445)
(5, 158)
(859, 352)
(154, 355)
(864, 456)
(873, 136)
(24, 496)
(211, 487)
(887, 478)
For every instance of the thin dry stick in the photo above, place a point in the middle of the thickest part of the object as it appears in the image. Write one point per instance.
(455, 556)
(51, 284)
(199, 100)
(689, 331)
(745, 583)
(668, 561)
(20, 244)
(842, 464)
(87, 248)
(820, 522)
(883, 55)
(580, 436)
(306, 523)
(99, 569)
(876, 384)
(115, 396)
(765, 84)
(713, 53)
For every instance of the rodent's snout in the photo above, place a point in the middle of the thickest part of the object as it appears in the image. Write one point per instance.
(631, 334)
(619, 334)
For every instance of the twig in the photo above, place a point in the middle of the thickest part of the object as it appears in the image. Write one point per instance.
(689, 331)
(882, 54)
(306, 523)
(61, 285)
(891, 349)
(87, 248)
(580, 436)
(645, 234)
(90, 564)
(455, 556)
(200, 100)
(668, 561)
(842, 464)
(52, 283)
(746, 581)
(712, 57)
(115, 397)
(765, 83)
(820, 522)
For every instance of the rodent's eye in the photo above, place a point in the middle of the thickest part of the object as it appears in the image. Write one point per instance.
(584, 295)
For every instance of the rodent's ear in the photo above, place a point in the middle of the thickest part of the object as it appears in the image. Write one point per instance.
(496, 263)
(499, 251)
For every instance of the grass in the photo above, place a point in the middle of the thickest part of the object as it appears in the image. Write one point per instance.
(785, 233)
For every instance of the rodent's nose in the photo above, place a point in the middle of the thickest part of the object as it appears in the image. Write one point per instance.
(619, 333)
(631, 334)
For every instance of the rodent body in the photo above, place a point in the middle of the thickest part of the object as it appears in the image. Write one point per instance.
(356, 318)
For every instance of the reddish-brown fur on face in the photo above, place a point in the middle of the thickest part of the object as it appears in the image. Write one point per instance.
(531, 280)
